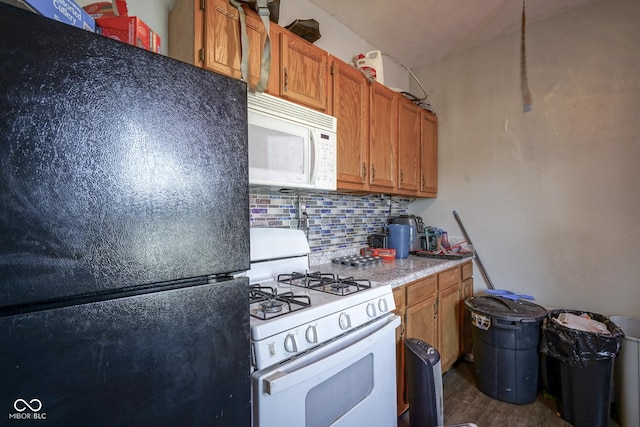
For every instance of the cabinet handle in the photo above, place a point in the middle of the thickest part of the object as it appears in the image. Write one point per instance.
(364, 170)
(373, 172)
(286, 79)
(423, 182)
(435, 309)
(401, 176)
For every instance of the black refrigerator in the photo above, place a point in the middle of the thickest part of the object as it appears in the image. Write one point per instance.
(123, 224)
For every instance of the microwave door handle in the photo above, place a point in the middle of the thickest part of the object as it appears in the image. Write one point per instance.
(312, 157)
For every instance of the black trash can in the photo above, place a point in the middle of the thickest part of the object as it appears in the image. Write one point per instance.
(506, 337)
(578, 368)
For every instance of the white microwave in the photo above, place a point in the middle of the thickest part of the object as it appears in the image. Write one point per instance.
(290, 146)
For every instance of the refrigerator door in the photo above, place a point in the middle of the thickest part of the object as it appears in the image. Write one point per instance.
(161, 359)
(119, 168)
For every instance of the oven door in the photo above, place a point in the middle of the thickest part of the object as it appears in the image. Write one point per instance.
(347, 382)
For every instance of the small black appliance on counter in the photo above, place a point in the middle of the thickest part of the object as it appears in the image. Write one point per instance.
(378, 240)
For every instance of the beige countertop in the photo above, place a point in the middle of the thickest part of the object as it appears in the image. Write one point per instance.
(395, 273)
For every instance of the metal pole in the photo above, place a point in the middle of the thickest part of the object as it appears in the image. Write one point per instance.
(480, 265)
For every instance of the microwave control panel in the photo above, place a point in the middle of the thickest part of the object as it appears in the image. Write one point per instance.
(326, 160)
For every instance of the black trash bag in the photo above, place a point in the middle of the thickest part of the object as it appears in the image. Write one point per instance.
(579, 348)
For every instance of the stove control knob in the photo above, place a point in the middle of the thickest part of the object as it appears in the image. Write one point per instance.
(371, 310)
(290, 343)
(312, 334)
(382, 305)
(344, 321)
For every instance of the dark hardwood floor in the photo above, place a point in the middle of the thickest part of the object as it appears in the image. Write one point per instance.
(464, 403)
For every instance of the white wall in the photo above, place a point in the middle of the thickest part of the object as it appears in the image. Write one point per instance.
(550, 197)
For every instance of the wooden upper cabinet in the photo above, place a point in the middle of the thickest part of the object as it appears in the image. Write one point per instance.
(428, 154)
(222, 47)
(383, 138)
(350, 105)
(386, 144)
(408, 146)
(303, 72)
(209, 37)
(185, 31)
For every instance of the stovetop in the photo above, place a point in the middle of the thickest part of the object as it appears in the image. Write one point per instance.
(293, 309)
(291, 292)
(297, 313)
(325, 282)
(265, 302)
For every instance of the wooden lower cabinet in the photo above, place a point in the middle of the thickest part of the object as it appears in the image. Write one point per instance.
(402, 401)
(431, 310)
(466, 342)
(421, 312)
(448, 326)
(448, 316)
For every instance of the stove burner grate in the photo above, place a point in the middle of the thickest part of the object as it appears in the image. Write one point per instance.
(269, 303)
(325, 282)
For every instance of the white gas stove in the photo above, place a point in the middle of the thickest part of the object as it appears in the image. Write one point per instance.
(323, 346)
(294, 309)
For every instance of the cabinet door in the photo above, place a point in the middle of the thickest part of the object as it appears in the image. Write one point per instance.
(449, 325)
(422, 321)
(350, 105)
(408, 146)
(185, 31)
(428, 154)
(465, 317)
(402, 398)
(303, 72)
(222, 38)
(383, 138)
(222, 47)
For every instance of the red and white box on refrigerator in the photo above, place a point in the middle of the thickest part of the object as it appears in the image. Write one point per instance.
(112, 21)
(129, 29)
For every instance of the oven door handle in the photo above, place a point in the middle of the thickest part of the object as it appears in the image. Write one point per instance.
(324, 358)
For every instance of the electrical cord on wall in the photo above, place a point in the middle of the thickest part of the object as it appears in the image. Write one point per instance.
(421, 102)
(527, 100)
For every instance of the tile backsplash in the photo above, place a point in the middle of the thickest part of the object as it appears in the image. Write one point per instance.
(335, 220)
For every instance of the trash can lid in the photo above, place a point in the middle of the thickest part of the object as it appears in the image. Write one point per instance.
(506, 309)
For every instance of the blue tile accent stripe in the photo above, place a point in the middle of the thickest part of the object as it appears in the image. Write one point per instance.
(336, 220)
